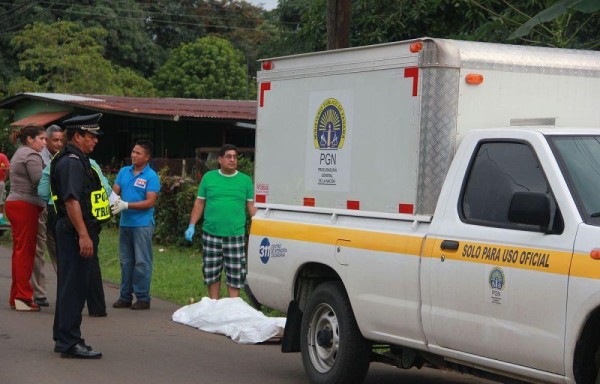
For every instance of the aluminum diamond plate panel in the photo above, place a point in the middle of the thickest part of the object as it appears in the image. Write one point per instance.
(437, 134)
(510, 58)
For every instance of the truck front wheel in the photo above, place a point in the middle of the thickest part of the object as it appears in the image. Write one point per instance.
(333, 349)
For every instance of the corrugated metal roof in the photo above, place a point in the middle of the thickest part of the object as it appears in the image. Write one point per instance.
(165, 108)
(41, 118)
(202, 108)
(60, 96)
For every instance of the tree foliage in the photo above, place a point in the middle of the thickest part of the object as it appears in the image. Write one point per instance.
(303, 26)
(123, 40)
(571, 27)
(209, 68)
(64, 57)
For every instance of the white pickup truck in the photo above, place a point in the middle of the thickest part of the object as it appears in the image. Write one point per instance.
(432, 203)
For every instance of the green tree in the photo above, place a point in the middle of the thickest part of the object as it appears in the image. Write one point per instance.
(303, 27)
(127, 42)
(208, 68)
(584, 31)
(66, 57)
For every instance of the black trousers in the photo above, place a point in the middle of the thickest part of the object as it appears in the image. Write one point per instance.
(73, 286)
(96, 302)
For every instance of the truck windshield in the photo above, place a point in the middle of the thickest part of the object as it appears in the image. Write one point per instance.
(579, 159)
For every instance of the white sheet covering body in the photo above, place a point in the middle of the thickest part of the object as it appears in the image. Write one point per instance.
(231, 317)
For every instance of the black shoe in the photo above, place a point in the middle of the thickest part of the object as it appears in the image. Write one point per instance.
(89, 348)
(80, 351)
(122, 304)
(141, 305)
(103, 314)
(41, 302)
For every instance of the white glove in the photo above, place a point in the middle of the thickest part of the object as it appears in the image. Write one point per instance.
(113, 197)
(119, 206)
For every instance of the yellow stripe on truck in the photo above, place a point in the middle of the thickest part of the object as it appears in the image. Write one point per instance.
(542, 260)
(375, 241)
(584, 266)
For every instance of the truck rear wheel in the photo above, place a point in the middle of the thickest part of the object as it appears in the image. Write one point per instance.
(333, 349)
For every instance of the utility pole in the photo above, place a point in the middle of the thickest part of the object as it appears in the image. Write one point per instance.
(338, 24)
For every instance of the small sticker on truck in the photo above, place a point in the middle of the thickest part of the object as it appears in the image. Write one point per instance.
(267, 250)
(496, 284)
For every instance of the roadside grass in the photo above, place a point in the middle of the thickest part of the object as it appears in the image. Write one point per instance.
(176, 275)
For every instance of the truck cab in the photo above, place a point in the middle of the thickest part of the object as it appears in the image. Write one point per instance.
(506, 249)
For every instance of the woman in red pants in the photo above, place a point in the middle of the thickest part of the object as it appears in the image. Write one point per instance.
(23, 207)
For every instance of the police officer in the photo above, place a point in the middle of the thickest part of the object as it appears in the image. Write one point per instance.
(82, 205)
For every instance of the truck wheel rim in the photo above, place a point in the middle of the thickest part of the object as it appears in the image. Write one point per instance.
(323, 338)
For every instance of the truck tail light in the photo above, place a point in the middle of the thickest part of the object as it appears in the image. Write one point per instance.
(416, 47)
(405, 208)
(474, 79)
(309, 201)
(595, 253)
(353, 204)
(267, 65)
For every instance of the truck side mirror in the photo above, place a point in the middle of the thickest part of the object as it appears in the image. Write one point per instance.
(532, 208)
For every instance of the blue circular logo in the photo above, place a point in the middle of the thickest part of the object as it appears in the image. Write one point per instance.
(497, 279)
(329, 127)
(264, 250)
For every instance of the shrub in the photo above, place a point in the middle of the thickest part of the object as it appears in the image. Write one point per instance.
(174, 205)
(172, 210)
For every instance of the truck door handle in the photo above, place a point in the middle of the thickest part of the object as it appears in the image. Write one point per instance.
(449, 245)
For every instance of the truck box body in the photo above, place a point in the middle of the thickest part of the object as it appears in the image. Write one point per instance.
(387, 175)
(397, 117)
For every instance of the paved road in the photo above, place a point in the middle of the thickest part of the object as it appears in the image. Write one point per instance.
(147, 347)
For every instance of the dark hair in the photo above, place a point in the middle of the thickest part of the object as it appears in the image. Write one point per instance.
(227, 147)
(146, 144)
(71, 133)
(29, 130)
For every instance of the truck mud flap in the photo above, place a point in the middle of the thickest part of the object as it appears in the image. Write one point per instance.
(291, 333)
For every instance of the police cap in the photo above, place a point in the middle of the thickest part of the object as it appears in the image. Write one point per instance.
(84, 123)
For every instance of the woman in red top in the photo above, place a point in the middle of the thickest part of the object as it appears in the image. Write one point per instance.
(23, 207)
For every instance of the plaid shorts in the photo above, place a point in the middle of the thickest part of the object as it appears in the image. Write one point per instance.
(225, 251)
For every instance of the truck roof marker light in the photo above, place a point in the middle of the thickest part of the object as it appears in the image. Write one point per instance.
(267, 65)
(260, 198)
(309, 201)
(353, 204)
(406, 208)
(416, 47)
(595, 253)
(474, 79)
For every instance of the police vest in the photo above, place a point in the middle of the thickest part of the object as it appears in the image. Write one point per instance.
(95, 206)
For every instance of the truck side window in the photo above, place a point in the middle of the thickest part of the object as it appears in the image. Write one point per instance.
(498, 170)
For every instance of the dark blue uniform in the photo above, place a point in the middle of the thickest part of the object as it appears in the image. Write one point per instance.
(72, 177)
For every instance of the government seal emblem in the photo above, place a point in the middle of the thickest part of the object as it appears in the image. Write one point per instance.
(329, 127)
(496, 279)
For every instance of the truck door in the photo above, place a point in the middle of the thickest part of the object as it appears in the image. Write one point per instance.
(497, 288)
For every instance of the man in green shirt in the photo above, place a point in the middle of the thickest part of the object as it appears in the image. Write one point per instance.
(224, 196)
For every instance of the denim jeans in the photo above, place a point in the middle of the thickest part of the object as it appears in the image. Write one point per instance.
(135, 245)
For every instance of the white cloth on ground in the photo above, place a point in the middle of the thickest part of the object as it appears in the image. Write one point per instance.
(231, 317)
